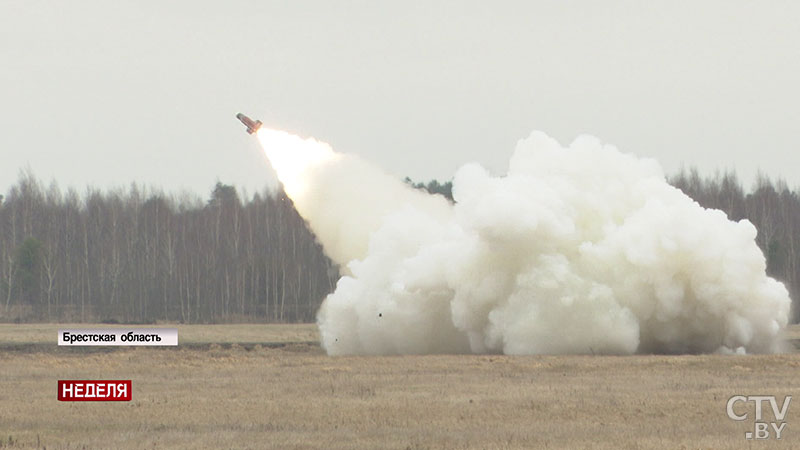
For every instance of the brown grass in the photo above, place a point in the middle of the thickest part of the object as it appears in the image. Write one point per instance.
(254, 396)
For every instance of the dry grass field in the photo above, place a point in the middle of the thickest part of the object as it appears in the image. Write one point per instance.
(268, 386)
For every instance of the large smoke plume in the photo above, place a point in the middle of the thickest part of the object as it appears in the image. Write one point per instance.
(579, 249)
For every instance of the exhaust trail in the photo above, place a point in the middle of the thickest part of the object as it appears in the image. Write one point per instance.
(343, 198)
(578, 249)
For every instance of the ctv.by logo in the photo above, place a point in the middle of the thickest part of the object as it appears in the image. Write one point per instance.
(761, 428)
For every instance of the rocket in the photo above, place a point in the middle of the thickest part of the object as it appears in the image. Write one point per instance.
(252, 125)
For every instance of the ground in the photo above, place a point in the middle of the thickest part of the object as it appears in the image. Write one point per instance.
(272, 386)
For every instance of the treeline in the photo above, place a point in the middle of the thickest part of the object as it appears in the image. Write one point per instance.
(433, 187)
(139, 256)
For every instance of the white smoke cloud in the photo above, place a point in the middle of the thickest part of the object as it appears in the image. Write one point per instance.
(581, 249)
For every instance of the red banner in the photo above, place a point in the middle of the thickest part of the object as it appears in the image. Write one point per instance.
(94, 390)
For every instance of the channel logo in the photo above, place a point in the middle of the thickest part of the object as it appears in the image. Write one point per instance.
(94, 390)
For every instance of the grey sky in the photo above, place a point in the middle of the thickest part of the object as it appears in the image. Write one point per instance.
(110, 92)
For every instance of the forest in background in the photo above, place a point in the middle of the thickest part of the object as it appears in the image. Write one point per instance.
(141, 256)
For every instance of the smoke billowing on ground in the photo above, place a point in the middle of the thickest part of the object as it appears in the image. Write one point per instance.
(579, 249)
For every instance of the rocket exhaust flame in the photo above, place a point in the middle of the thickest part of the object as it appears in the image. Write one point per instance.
(293, 158)
(578, 249)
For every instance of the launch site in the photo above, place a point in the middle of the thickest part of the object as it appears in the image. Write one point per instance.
(271, 386)
(399, 225)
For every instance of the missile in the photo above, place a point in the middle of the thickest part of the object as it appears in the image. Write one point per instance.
(252, 125)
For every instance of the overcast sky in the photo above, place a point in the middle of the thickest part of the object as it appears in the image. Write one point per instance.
(110, 92)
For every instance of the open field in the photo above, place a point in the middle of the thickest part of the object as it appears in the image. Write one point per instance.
(261, 395)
